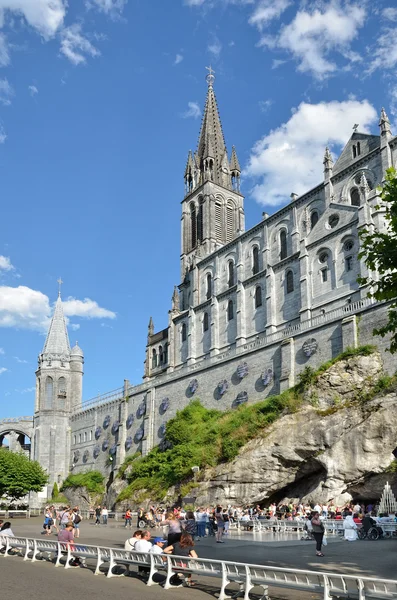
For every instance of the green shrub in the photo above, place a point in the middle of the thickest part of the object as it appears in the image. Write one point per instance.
(55, 491)
(93, 481)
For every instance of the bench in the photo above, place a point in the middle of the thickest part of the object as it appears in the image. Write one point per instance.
(23, 544)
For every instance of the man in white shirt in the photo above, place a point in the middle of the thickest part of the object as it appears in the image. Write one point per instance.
(158, 545)
(105, 514)
(143, 545)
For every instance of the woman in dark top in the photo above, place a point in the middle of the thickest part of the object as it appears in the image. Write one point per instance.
(318, 532)
(183, 548)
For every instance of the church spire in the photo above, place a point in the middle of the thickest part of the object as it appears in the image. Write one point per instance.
(384, 123)
(57, 342)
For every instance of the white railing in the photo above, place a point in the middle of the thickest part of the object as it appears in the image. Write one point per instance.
(117, 394)
(248, 576)
(12, 514)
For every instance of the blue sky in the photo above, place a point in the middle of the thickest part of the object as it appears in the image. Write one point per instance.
(100, 102)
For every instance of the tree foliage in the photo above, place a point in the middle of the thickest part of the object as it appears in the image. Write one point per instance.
(19, 475)
(93, 481)
(379, 249)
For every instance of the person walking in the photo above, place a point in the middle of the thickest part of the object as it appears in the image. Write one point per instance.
(201, 520)
(128, 518)
(76, 521)
(105, 514)
(174, 528)
(220, 525)
(318, 532)
(98, 515)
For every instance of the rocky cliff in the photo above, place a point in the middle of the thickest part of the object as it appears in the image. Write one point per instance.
(336, 447)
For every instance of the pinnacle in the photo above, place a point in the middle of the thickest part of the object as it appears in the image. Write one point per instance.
(57, 342)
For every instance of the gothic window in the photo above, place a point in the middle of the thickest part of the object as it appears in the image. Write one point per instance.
(165, 355)
(255, 260)
(324, 275)
(258, 297)
(283, 244)
(90, 435)
(230, 311)
(230, 273)
(79, 438)
(200, 236)
(354, 151)
(49, 392)
(349, 263)
(229, 222)
(161, 356)
(205, 322)
(62, 387)
(358, 149)
(209, 286)
(85, 436)
(154, 359)
(193, 226)
(184, 332)
(313, 219)
(218, 221)
(290, 281)
(74, 440)
(355, 197)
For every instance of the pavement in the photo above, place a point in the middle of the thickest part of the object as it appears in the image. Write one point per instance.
(23, 579)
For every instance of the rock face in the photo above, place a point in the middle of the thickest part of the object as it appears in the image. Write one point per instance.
(325, 451)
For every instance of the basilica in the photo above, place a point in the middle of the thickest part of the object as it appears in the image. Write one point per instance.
(252, 309)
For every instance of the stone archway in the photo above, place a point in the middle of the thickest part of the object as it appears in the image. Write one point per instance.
(18, 433)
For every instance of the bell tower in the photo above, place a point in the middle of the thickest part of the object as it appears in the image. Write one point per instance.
(213, 207)
(59, 378)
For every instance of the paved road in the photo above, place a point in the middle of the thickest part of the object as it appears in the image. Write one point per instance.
(367, 558)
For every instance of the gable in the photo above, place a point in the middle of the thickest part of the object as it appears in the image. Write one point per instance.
(346, 214)
(363, 142)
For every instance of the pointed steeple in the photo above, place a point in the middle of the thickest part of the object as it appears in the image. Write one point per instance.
(57, 342)
(328, 161)
(189, 165)
(384, 123)
(150, 329)
(364, 187)
(211, 144)
(175, 300)
(234, 163)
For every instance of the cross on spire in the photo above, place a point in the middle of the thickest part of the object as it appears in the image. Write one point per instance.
(355, 127)
(211, 76)
(60, 282)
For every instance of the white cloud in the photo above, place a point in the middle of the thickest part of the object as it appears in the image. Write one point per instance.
(289, 158)
(45, 16)
(33, 90)
(2, 351)
(28, 390)
(215, 47)
(193, 111)
(86, 308)
(110, 7)
(75, 46)
(265, 105)
(3, 370)
(384, 54)
(21, 361)
(74, 326)
(267, 10)
(3, 135)
(4, 52)
(178, 59)
(24, 308)
(390, 14)
(5, 264)
(312, 37)
(6, 92)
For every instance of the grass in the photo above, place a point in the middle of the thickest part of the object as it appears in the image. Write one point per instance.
(208, 437)
(392, 468)
(93, 481)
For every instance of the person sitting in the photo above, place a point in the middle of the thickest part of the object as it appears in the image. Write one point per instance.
(184, 547)
(143, 545)
(6, 530)
(158, 546)
(368, 522)
(130, 543)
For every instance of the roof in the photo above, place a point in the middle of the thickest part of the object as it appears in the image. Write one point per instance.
(211, 142)
(57, 342)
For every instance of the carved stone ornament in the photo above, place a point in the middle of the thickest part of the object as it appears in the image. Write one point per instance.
(115, 427)
(223, 386)
(76, 456)
(141, 409)
(165, 404)
(113, 449)
(86, 456)
(310, 347)
(193, 386)
(241, 398)
(242, 370)
(106, 422)
(139, 434)
(128, 443)
(105, 445)
(267, 376)
(162, 430)
(98, 432)
(130, 420)
(97, 451)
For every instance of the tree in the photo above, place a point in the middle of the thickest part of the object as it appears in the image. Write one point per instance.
(55, 491)
(19, 475)
(379, 249)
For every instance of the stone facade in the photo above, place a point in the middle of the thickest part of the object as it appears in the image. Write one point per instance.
(252, 310)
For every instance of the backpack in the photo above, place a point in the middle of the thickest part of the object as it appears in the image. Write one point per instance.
(77, 519)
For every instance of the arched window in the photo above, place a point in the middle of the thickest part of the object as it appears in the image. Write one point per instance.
(218, 222)
(184, 332)
(313, 219)
(90, 435)
(283, 244)
(75, 440)
(354, 150)
(165, 355)
(49, 392)
(193, 226)
(290, 282)
(79, 438)
(161, 357)
(230, 312)
(355, 197)
(229, 222)
(205, 322)
(358, 149)
(200, 231)
(62, 387)
(255, 260)
(85, 436)
(209, 286)
(154, 359)
(258, 297)
(230, 273)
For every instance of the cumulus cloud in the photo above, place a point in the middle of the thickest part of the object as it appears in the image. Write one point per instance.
(178, 59)
(390, 13)
(4, 52)
(5, 264)
(45, 16)
(384, 54)
(193, 111)
(110, 7)
(312, 37)
(6, 92)
(24, 308)
(289, 158)
(33, 90)
(267, 10)
(3, 370)
(75, 46)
